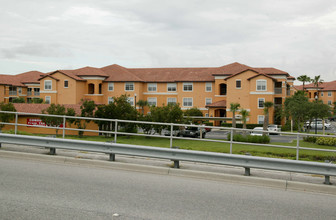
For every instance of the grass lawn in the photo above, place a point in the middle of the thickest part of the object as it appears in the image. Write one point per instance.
(264, 151)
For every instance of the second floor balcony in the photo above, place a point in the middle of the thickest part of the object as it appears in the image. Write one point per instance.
(12, 92)
(277, 90)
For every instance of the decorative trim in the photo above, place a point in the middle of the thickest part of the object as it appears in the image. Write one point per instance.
(32, 84)
(94, 94)
(44, 91)
(220, 77)
(93, 77)
(220, 95)
(160, 93)
(262, 93)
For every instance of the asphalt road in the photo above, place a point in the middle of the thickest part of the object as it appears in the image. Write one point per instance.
(40, 190)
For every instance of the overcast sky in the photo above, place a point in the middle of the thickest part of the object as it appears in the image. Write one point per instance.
(296, 36)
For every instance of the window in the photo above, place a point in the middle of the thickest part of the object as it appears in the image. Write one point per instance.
(129, 86)
(206, 114)
(261, 102)
(171, 101)
(187, 102)
(222, 89)
(47, 100)
(110, 100)
(29, 91)
(322, 94)
(208, 87)
(208, 101)
(110, 86)
(329, 93)
(66, 84)
(151, 101)
(261, 119)
(20, 90)
(171, 87)
(261, 85)
(329, 102)
(187, 87)
(151, 87)
(238, 84)
(91, 88)
(47, 84)
(37, 91)
(130, 100)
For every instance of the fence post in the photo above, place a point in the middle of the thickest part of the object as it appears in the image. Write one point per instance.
(171, 135)
(231, 140)
(115, 130)
(64, 126)
(16, 121)
(297, 146)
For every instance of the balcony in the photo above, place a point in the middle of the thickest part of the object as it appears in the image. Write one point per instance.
(12, 92)
(29, 93)
(277, 90)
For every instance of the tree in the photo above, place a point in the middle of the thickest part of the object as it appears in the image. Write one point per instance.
(142, 104)
(233, 108)
(37, 100)
(18, 100)
(304, 79)
(87, 110)
(5, 117)
(317, 110)
(193, 112)
(54, 121)
(317, 81)
(296, 107)
(267, 106)
(244, 114)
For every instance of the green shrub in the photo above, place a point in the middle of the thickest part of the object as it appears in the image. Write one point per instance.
(329, 141)
(248, 126)
(249, 138)
(310, 139)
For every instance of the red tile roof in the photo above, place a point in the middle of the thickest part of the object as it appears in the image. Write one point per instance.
(219, 104)
(21, 79)
(37, 108)
(325, 86)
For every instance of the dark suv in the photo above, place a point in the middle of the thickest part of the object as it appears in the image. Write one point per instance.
(192, 132)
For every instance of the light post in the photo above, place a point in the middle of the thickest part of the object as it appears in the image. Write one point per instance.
(316, 116)
(135, 95)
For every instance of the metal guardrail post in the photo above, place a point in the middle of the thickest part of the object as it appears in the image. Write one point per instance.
(115, 130)
(112, 157)
(16, 121)
(297, 146)
(171, 135)
(231, 140)
(327, 178)
(247, 169)
(64, 121)
(176, 164)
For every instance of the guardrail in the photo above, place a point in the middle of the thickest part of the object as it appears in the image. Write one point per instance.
(175, 155)
(171, 126)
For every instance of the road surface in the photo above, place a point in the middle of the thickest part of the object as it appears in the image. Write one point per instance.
(32, 189)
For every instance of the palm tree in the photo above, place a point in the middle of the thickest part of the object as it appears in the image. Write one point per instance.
(142, 104)
(267, 106)
(317, 81)
(233, 108)
(304, 79)
(244, 113)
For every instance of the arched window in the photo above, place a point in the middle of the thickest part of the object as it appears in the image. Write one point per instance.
(91, 88)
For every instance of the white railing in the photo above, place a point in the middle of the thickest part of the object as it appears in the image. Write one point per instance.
(170, 127)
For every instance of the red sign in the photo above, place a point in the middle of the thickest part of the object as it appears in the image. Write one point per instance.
(38, 122)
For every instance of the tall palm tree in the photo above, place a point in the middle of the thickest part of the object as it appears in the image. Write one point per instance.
(317, 81)
(267, 106)
(304, 79)
(233, 108)
(142, 104)
(244, 113)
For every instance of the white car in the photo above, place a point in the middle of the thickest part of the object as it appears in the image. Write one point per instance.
(274, 128)
(257, 131)
(318, 124)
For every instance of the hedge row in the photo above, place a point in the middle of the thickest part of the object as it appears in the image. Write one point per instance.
(329, 141)
(248, 126)
(249, 138)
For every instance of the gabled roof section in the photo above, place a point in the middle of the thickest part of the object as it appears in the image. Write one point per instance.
(261, 74)
(30, 77)
(118, 73)
(241, 72)
(271, 71)
(230, 69)
(49, 75)
(89, 71)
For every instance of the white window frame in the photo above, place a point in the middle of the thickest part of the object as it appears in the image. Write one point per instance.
(188, 84)
(206, 101)
(110, 86)
(152, 101)
(190, 100)
(45, 84)
(259, 119)
(128, 85)
(47, 98)
(329, 93)
(131, 100)
(261, 86)
(110, 100)
(207, 86)
(261, 99)
(240, 84)
(329, 102)
(151, 87)
(171, 87)
(170, 102)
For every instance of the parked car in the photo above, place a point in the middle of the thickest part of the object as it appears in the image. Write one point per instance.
(257, 131)
(275, 128)
(175, 133)
(206, 128)
(318, 124)
(192, 132)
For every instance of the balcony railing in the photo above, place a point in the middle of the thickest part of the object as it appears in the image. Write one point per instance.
(277, 90)
(29, 93)
(12, 92)
(36, 93)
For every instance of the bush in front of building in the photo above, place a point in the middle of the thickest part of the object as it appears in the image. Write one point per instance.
(248, 126)
(264, 139)
(329, 141)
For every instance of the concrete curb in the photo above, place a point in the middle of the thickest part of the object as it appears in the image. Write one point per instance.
(244, 180)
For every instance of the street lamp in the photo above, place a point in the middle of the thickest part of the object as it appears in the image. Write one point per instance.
(135, 95)
(316, 116)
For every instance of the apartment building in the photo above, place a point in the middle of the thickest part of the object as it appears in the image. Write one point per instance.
(211, 89)
(326, 92)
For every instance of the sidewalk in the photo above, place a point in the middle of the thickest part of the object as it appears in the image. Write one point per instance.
(268, 178)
